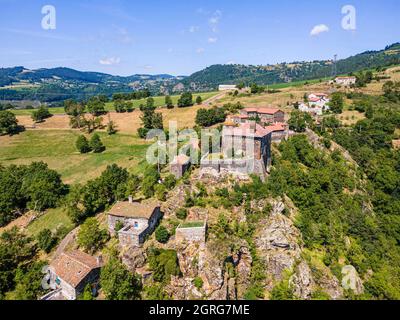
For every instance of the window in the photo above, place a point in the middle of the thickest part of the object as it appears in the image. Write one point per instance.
(136, 224)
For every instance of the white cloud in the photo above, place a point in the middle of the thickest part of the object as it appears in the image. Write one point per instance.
(215, 20)
(110, 61)
(200, 50)
(194, 29)
(319, 29)
(212, 40)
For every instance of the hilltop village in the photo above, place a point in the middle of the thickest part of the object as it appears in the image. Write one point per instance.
(268, 213)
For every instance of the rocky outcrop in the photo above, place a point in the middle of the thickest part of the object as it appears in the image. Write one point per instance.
(243, 262)
(134, 258)
(302, 282)
(351, 280)
(277, 241)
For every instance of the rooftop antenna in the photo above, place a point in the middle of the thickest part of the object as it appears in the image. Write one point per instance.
(334, 66)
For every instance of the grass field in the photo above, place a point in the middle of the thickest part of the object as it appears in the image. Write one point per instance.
(57, 149)
(52, 220)
(159, 102)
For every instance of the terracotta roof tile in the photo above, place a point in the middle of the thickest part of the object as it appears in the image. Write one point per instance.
(74, 266)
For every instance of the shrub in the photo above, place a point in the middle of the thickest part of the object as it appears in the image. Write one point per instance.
(90, 237)
(162, 234)
(95, 144)
(181, 213)
(198, 282)
(82, 144)
(45, 240)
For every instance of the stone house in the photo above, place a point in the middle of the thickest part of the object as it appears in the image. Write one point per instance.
(265, 115)
(245, 149)
(180, 165)
(137, 221)
(69, 274)
(280, 132)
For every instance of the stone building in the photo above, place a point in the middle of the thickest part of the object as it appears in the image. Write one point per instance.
(180, 165)
(265, 116)
(346, 81)
(245, 150)
(69, 274)
(191, 232)
(134, 221)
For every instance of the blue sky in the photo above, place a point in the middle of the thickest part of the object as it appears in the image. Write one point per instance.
(183, 36)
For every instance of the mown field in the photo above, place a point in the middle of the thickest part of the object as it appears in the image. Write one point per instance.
(158, 101)
(57, 149)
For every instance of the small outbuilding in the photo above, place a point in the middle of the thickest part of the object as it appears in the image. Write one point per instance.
(180, 165)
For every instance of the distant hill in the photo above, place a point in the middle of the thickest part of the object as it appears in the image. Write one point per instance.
(57, 84)
(212, 76)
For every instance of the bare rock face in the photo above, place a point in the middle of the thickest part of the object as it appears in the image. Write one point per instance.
(196, 260)
(302, 282)
(134, 258)
(197, 214)
(277, 241)
(351, 280)
(175, 200)
(243, 271)
(330, 284)
(211, 270)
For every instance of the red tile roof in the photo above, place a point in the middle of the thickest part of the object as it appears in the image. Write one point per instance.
(247, 130)
(74, 266)
(263, 110)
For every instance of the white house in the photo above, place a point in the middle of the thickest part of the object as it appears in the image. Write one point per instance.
(227, 87)
(346, 81)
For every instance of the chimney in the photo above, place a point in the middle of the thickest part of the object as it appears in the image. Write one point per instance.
(130, 199)
(99, 260)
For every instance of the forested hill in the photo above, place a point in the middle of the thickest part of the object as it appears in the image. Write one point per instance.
(212, 76)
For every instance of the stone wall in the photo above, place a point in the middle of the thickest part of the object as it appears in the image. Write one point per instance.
(191, 234)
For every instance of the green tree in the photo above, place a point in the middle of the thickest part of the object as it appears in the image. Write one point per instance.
(185, 100)
(95, 106)
(162, 234)
(90, 237)
(46, 240)
(82, 144)
(8, 123)
(337, 103)
(181, 213)
(118, 283)
(95, 144)
(168, 102)
(199, 100)
(41, 114)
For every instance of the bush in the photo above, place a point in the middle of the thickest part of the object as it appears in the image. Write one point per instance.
(8, 123)
(164, 263)
(90, 237)
(41, 114)
(198, 282)
(181, 213)
(170, 182)
(95, 144)
(161, 192)
(46, 241)
(82, 144)
(162, 234)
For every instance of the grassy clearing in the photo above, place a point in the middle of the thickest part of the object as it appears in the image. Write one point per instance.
(53, 219)
(57, 149)
(159, 101)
